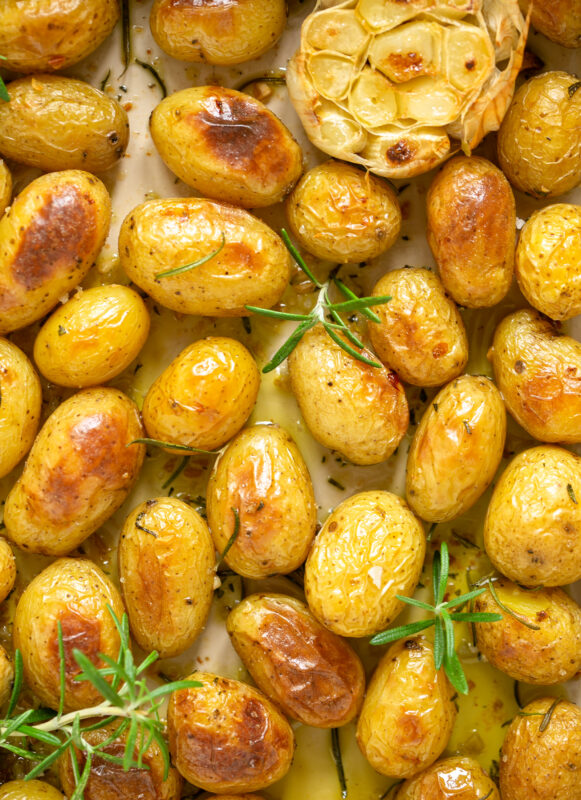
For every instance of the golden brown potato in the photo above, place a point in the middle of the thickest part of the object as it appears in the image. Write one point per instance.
(205, 395)
(533, 524)
(541, 755)
(75, 593)
(217, 32)
(227, 145)
(261, 485)
(456, 778)
(234, 797)
(79, 471)
(560, 20)
(7, 570)
(29, 790)
(309, 672)
(252, 268)
(370, 549)
(471, 230)
(538, 371)
(421, 334)
(456, 449)
(227, 737)
(408, 713)
(6, 679)
(539, 141)
(340, 213)
(20, 405)
(49, 239)
(5, 187)
(548, 261)
(54, 123)
(166, 569)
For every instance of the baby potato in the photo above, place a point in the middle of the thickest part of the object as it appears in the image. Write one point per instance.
(75, 593)
(349, 406)
(560, 21)
(93, 337)
(7, 571)
(226, 145)
(5, 187)
(29, 790)
(20, 405)
(166, 569)
(471, 230)
(538, 372)
(541, 754)
(370, 549)
(252, 266)
(421, 334)
(260, 486)
(227, 737)
(548, 260)
(49, 239)
(340, 213)
(79, 471)
(215, 32)
(6, 678)
(456, 449)
(309, 672)
(408, 713)
(532, 530)
(455, 778)
(205, 395)
(54, 123)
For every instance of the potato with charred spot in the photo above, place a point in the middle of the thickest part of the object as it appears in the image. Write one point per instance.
(455, 778)
(6, 677)
(29, 790)
(227, 737)
(5, 187)
(559, 21)
(226, 145)
(80, 470)
(7, 570)
(309, 672)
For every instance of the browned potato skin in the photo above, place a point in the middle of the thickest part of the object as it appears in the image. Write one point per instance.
(455, 778)
(408, 714)
(5, 187)
(79, 471)
(537, 371)
(262, 475)
(253, 267)
(226, 145)
(471, 230)
(7, 571)
(234, 797)
(205, 396)
(49, 34)
(49, 239)
(560, 21)
(55, 123)
(74, 592)
(6, 677)
(227, 737)
(309, 672)
(421, 334)
(29, 790)
(456, 449)
(166, 569)
(537, 765)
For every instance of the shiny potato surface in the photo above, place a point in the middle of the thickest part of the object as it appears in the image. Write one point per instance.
(75, 593)
(456, 449)
(49, 239)
(226, 736)
(204, 396)
(6, 677)
(5, 187)
(313, 675)
(370, 549)
(261, 486)
(455, 778)
(421, 334)
(560, 21)
(471, 230)
(408, 713)
(7, 570)
(252, 268)
(340, 213)
(226, 145)
(29, 790)
(54, 123)
(79, 471)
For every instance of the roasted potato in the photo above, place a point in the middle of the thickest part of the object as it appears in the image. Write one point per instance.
(260, 486)
(5, 187)
(54, 123)
(456, 449)
(6, 678)
(421, 334)
(78, 473)
(560, 21)
(226, 145)
(471, 230)
(455, 778)
(234, 797)
(29, 790)
(7, 571)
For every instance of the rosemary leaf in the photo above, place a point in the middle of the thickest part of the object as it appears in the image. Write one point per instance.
(17, 685)
(62, 669)
(457, 601)
(348, 349)
(455, 673)
(444, 572)
(401, 632)
(269, 312)
(176, 473)
(476, 616)
(192, 265)
(361, 303)
(172, 446)
(571, 493)
(298, 258)
(290, 344)
(413, 602)
(439, 643)
(156, 75)
(233, 538)
(510, 612)
(92, 674)
(352, 296)
(338, 759)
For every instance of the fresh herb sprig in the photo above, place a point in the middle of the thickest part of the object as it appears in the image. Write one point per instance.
(444, 617)
(168, 273)
(181, 448)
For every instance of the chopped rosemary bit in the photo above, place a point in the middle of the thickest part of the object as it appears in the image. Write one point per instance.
(336, 484)
(171, 446)
(546, 716)
(177, 472)
(155, 73)
(192, 265)
(573, 88)
(233, 538)
(126, 33)
(571, 493)
(338, 759)
(509, 611)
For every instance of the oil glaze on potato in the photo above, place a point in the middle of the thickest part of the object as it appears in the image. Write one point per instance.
(6, 678)
(227, 737)
(226, 145)
(455, 778)
(7, 570)
(313, 675)
(29, 790)
(5, 187)
(79, 471)
(370, 549)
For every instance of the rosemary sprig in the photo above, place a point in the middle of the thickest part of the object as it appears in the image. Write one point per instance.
(156, 76)
(192, 265)
(3, 90)
(523, 620)
(183, 448)
(127, 39)
(338, 759)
